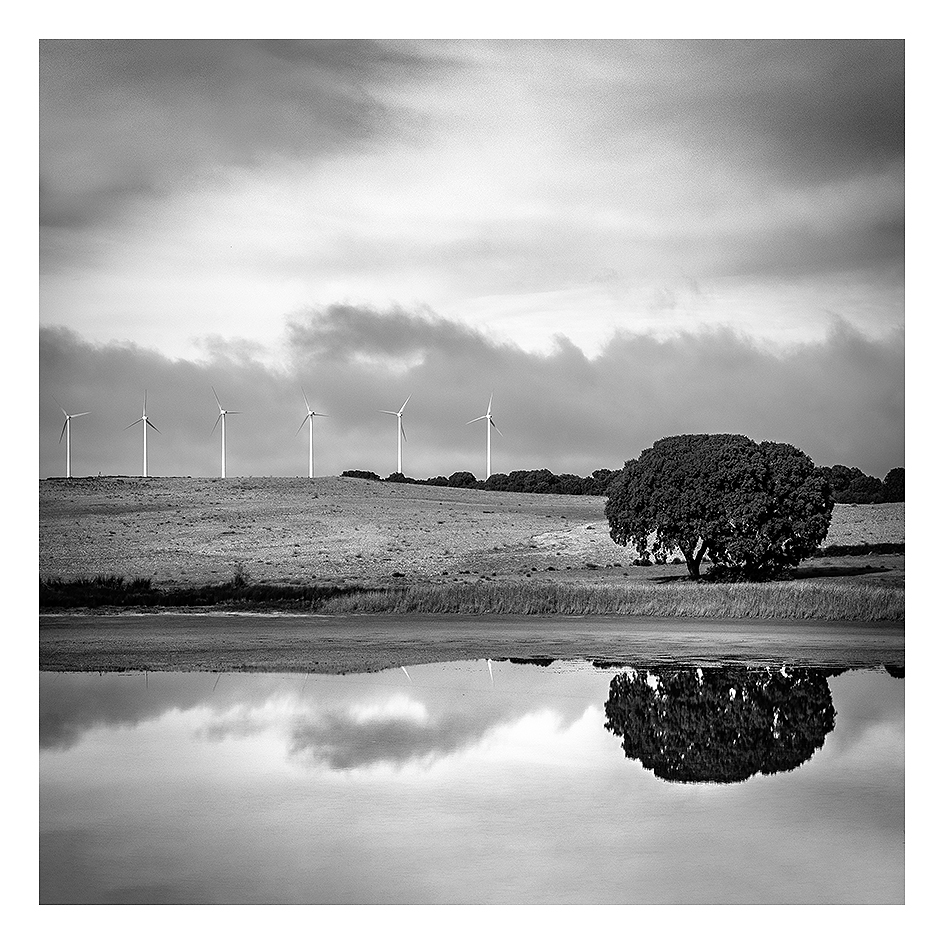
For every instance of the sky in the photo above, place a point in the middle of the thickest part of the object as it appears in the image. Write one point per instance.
(620, 240)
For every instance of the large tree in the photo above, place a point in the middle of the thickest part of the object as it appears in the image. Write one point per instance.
(754, 508)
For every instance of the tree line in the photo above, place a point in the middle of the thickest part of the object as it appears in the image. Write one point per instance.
(519, 480)
(849, 486)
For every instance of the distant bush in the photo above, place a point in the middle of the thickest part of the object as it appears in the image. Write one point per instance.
(894, 485)
(462, 480)
(361, 474)
(541, 481)
(852, 486)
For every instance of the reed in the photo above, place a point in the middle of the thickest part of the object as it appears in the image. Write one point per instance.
(795, 600)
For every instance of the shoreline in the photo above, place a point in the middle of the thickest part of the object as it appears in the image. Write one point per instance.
(368, 643)
(791, 599)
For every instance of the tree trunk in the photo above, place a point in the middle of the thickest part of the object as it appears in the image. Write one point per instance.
(694, 560)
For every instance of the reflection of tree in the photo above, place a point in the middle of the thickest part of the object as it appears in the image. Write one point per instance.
(721, 725)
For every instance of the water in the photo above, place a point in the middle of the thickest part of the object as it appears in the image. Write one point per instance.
(530, 784)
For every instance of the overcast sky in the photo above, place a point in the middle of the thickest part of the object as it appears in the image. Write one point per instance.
(624, 240)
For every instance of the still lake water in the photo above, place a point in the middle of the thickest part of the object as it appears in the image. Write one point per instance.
(474, 782)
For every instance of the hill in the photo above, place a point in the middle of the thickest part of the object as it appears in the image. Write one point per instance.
(340, 530)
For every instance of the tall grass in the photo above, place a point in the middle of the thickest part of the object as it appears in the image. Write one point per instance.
(793, 600)
(806, 600)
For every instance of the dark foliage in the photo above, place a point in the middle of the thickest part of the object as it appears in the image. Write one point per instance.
(519, 480)
(753, 508)
(854, 487)
(361, 474)
(462, 480)
(115, 591)
(719, 725)
(894, 485)
(877, 548)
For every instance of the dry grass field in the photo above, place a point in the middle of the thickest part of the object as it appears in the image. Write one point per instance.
(338, 530)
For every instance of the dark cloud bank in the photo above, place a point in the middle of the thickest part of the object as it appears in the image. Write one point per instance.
(841, 400)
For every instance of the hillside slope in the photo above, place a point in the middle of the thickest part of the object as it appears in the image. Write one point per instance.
(194, 531)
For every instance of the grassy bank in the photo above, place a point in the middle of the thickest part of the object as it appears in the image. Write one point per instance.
(778, 600)
(790, 600)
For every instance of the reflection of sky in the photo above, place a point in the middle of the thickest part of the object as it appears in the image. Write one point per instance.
(441, 788)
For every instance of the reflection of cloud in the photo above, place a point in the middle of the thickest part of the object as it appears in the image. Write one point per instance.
(341, 722)
(72, 704)
(344, 740)
(397, 707)
(241, 724)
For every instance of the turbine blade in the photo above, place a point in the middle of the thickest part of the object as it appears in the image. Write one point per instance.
(130, 425)
(490, 402)
(309, 409)
(62, 432)
(216, 422)
(393, 413)
(233, 411)
(405, 402)
(217, 399)
(314, 414)
(84, 413)
(152, 426)
(403, 432)
(497, 430)
(63, 409)
(144, 409)
(302, 424)
(477, 418)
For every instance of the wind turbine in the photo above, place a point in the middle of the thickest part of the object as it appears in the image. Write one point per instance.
(401, 436)
(490, 423)
(145, 423)
(222, 417)
(67, 429)
(310, 416)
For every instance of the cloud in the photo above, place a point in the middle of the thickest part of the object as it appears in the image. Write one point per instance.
(122, 120)
(525, 188)
(840, 399)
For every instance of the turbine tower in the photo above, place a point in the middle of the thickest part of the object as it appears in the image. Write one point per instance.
(310, 416)
(401, 436)
(67, 430)
(221, 419)
(145, 423)
(490, 423)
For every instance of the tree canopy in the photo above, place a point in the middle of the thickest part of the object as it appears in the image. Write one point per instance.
(754, 509)
(720, 724)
